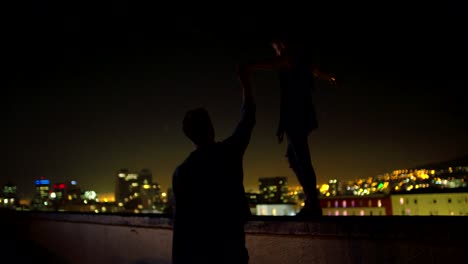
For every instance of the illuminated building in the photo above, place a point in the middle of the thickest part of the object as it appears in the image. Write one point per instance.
(136, 192)
(42, 188)
(252, 200)
(8, 197)
(121, 187)
(41, 200)
(66, 193)
(334, 187)
(438, 202)
(356, 205)
(273, 190)
(276, 209)
(275, 198)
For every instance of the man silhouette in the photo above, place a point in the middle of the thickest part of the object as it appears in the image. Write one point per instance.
(210, 207)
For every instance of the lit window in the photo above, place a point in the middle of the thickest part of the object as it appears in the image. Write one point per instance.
(379, 203)
(402, 200)
(344, 204)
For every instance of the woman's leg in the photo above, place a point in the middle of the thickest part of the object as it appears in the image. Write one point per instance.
(300, 162)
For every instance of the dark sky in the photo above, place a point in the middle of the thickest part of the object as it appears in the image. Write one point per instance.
(92, 89)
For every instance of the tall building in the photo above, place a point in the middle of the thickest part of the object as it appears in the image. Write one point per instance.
(65, 193)
(121, 187)
(145, 177)
(42, 187)
(150, 192)
(126, 186)
(136, 192)
(9, 190)
(335, 188)
(273, 190)
(8, 196)
(41, 200)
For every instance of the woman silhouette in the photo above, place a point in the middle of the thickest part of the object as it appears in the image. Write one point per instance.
(297, 74)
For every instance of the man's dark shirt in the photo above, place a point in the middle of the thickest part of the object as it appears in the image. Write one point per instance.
(210, 204)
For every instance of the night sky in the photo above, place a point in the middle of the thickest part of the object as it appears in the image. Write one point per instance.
(92, 89)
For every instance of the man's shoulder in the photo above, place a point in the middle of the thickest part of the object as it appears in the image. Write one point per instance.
(179, 171)
(186, 162)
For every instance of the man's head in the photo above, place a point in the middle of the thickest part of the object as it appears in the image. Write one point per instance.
(197, 126)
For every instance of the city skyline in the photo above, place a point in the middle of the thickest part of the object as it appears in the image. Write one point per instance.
(110, 195)
(89, 95)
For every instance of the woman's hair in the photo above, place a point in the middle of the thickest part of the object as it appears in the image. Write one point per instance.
(294, 40)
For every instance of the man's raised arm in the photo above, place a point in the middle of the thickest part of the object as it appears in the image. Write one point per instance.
(243, 74)
(243, 131)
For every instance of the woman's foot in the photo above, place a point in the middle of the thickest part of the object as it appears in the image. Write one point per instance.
(308, 212)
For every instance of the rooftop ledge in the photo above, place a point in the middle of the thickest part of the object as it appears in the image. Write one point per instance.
(139, 238)
(439, 227)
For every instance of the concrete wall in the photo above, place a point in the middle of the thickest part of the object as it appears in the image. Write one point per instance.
(139, 239)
